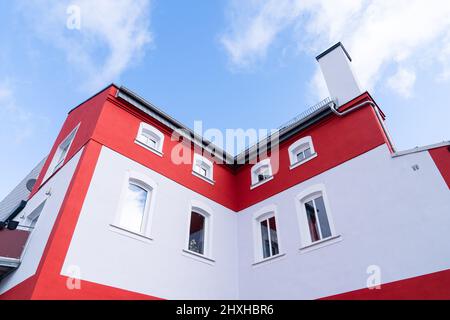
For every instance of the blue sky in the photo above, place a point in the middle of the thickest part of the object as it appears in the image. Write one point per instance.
(229, 63)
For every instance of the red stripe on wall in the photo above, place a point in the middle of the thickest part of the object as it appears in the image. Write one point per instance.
(441, 157)
(22, 291)
(433, 286)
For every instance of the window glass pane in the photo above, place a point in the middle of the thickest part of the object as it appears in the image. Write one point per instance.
(197, 233)
(133, 209)
(201, 170)
(312, 223)
(151, 143)
(262, 173)
(307, 153)
(265, 239)
(62, 154)
(273, 236)
(323, 219)
(300, 156)
(148, 140)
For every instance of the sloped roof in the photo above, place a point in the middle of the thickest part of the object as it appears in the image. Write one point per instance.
(19, 193)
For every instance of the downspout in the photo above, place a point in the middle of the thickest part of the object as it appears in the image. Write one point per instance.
(377, 113)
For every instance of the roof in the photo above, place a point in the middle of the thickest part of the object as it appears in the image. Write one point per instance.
(303, 120)
(19, 193)
(339, 44)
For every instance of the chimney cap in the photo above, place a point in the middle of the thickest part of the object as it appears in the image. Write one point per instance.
(339, 44)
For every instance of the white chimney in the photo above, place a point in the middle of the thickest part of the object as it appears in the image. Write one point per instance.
(335, 64)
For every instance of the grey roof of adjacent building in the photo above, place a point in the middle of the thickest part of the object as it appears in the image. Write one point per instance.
(19, 193)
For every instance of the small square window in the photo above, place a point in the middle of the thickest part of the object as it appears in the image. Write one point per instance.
(150, 138)
(203, 168)
(301, 151)
(261, 172)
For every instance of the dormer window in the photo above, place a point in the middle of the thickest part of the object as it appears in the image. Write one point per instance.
(151, 138)
(203, 168)
(301, 151)
(261, 173)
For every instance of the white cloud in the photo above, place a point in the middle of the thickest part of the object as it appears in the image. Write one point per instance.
(402, 82)
(113, 35)
(379, 34)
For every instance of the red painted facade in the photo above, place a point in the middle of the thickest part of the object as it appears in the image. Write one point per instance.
(441, 157)
(433, 286)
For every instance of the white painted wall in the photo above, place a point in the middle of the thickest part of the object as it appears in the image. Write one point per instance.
(339, 76)
(37, 241)
(386, 213)
(157, 267)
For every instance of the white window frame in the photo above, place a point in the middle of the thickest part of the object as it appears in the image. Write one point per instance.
(206, 164)
(265, 213)
(299, 146)
(204, 210)
(310, 193)
(151, 187)
(57, 162)
(254, 176)
(158, 135)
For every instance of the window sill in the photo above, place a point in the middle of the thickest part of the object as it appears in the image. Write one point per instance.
(198, 175)
(299, 163)
(253, 186)
(130, 234)
(269, 259)
(198, 257)
(321, 244)
(155, 151)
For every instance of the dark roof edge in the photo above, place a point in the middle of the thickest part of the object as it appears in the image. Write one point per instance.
(94, 95)
(339, 44)
(174, 124)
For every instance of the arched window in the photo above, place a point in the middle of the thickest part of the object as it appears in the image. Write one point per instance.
(150, 138)
(136, 204)
(301, 151)
(261, 173)
(314, 216)
(266, 234)
(203, 168)
(200, 227)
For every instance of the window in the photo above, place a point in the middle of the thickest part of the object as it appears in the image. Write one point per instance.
(301, 151)
(203, 168)
(266, 235)
(136, 205)
(150, 138)
(197, 233)
(319, 227)
(60, 154)
(269, 237)
(133, 209)
(261, 173)
(316, 224)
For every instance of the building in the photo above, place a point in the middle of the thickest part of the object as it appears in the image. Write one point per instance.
(335, 212)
